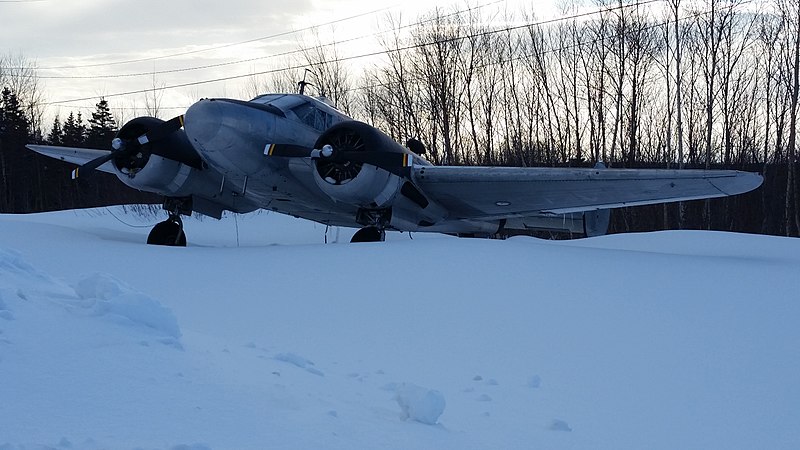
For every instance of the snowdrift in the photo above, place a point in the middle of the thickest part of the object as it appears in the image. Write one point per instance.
(259, 335)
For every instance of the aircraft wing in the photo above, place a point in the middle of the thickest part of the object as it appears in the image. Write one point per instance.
(79, 156)
(504, 192)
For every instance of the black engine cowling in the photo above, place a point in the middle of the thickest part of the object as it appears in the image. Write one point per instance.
(175, 146)
(163, 166)
(354, 182)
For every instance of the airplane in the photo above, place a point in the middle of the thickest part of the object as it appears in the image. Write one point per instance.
(298, 155)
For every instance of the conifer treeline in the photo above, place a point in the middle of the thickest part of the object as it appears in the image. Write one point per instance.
(30, 182)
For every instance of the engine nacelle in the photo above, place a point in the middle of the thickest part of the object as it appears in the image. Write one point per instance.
(167, 166)
(160, 175)
(355, 183)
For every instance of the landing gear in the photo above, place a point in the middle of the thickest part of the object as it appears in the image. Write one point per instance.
(170, 232)
(375, 222)
(369, 234)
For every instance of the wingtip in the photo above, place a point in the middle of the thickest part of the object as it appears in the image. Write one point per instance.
(742, 183)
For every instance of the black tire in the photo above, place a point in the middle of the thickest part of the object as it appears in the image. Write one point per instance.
(168, 233)
(369, 234)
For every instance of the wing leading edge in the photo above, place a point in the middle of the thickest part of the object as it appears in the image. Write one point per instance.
(504, 192)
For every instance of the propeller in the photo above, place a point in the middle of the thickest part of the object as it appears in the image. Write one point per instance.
(128, 148)
(345, 160)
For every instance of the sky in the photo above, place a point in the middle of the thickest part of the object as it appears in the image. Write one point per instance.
(94, 35)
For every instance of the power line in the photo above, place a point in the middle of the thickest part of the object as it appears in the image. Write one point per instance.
(192, 52)
(258, 58)
(556, 49)
(364, 55)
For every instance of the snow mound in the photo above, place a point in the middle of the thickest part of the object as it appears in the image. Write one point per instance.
(109, 296)
(18, 279)
(419, 404)
(12, 265)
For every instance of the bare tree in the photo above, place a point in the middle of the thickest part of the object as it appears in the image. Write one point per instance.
(790, 15)
(330, 76)
(20, 74)
(153, 97)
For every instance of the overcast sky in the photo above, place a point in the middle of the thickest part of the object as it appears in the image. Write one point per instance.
(96, 33)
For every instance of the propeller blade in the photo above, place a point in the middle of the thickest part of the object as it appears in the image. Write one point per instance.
(93, 164)
(162, 131)
(288, 150)
(396, 163)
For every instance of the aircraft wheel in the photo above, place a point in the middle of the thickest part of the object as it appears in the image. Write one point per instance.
(168, 232)
(369, 234)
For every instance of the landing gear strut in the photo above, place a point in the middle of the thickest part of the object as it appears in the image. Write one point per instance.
(375, 221)
(170, 232)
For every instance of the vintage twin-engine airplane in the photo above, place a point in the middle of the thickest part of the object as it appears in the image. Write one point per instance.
(297, 155)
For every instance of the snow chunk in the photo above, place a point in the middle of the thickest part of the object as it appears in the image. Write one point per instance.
(114, 298)
(534, 382)
(299, 361)
(420, 404)
(559, 425)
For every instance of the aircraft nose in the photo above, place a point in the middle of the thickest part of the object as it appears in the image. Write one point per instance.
(203, 121)
(229, 134)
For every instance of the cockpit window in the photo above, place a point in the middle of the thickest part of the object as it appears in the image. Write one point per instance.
(312, 116)
(267, 98)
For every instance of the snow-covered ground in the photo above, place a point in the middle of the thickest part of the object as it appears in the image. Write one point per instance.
(266, 337)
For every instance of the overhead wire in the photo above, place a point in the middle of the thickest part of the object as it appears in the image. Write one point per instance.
(560, 48)
(258, 58)
(363, 55)
(217, 47)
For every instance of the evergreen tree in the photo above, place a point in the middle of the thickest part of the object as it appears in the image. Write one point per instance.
(14, 123)
(74, 131)
(102, 127)
(56, 136)
(14, 158)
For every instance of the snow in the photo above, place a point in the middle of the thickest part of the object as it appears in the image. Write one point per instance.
(109, 296)
(418, 403)
(259, 335)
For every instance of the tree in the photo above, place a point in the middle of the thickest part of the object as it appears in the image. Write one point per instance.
(14, 128)
(56, 136)
(102, 127)
(74, 131)
(15, 124)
